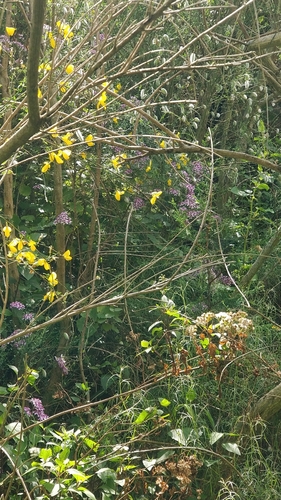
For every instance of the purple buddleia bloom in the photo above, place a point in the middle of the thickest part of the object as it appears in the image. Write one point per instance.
(27, 411)
(198, 170)
(62, 364)
(38, 409)
(28, 316)
(17, 305)
(138, 203)
(63, 218)
(226, 280)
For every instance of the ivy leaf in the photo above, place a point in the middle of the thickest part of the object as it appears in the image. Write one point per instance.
(215, 436)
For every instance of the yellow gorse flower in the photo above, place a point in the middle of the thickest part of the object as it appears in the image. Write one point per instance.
(53, 279)
(10, 31)
(49, 296)
(43, 262)
(67, 138)
(45, 167)
(102, 101)
(7, 231)
(69, 69)
(32, 245)
(67, 255)
(154, 196)
(118, 194)
(162, 144)
(89, 140)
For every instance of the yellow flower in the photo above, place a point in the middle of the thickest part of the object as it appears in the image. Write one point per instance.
(178, 166)
(124, 156)
(118, 194)
(102, 100)
(55, 157)
(43, 262)
(49, 296)
(89, 140)
(20, 245)
(117, 88)
(148, 168)
(39, 94)
(64, 29)
(169, 182)
(54, 132)
(53, 279)
(10, 31)
(20, 256)
(32, 245)
(69, 69)
(52, 42)
(29, 256)
(184, 159)
(115, 119)
(115, 162)
(67, 138)
(154, 196)
(83, 155)
(62, 87)
(7, 231)
(12, 245)
(45, 167)
(65, 153)
(67, 255)
(162, 144)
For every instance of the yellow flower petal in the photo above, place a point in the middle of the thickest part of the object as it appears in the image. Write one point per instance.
(32, 245)
(154, 196)
(49, 296)
(118, 194)
(30, 257)
(7, 231)
(162, 144)
(65, 153)
(67, 139)
(39, 94)
(53, 279)
(89, 140)
(53, 43)
(45, 167)
(67, 255)
(10, 31)
(69, 69)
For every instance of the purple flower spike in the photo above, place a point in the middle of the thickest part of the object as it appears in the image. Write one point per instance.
(62, 364)
(17, 305)
(63, 218)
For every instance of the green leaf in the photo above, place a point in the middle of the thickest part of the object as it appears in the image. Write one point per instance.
(87, 492)
(25, 190)
(261, 126)
(144, 415)
(145, 344)
(190, 395)
(55, 490)
(232, 448)
(164, 402)
(262, 186)
(215, 436)
(15, 427)
(239, 192)
(3, 391)
(45, 453)
(78, 475)
(14, 368)
(91, 444)
(179, 435)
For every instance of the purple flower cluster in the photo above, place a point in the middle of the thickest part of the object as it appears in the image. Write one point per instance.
(37, 186)
(226, 280)
(198, 170)
(17, 305)
(190, 205)
(37, 410)
(63, 218)
(138, 203)
(17, 343)
(62, 364)
(28, 316)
